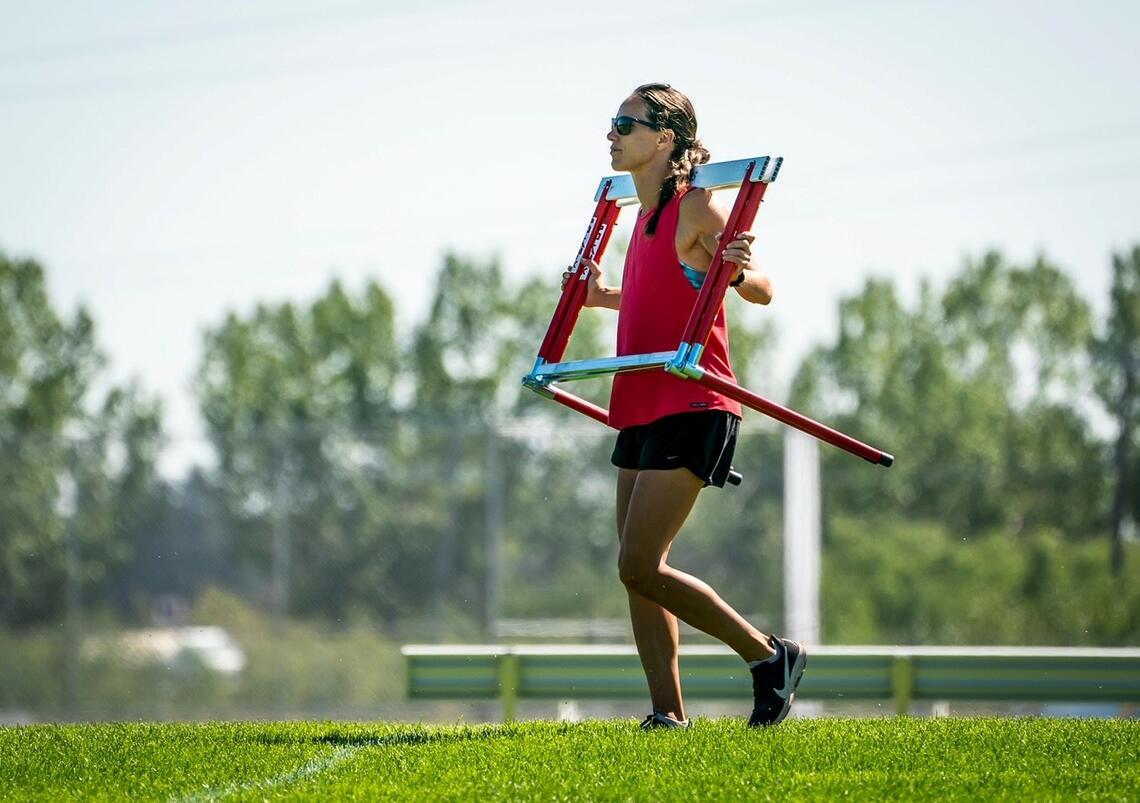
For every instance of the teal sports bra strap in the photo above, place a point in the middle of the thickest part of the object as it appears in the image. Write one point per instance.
(696, 277)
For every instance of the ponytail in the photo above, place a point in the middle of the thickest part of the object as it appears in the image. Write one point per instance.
(683, 168)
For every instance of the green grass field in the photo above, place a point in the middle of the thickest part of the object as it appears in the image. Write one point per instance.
(871, 759)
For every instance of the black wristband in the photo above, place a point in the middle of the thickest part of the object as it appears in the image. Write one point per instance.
(739, 280)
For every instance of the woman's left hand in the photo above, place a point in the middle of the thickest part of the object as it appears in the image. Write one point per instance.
(739, 251)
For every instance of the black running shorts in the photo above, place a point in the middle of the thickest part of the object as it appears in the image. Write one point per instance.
(703, 442)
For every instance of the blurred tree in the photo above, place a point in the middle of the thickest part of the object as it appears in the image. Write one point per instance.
(365, 464)
(76, 471)
(463, 350)
(1117, 356)
(298, 405)
(188, 550)
(976, 393)
(469, 357)
(917, 582)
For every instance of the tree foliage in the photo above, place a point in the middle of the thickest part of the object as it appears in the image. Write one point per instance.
(1117, 359)
(888, 580)
(405, 473)
(298, 403)
(77, 465)
(977, 394)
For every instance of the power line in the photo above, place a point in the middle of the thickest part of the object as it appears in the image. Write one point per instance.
(204, 35)
(960, 189)
(208, 33)
(868, 204)
(200, 34)
(869, 198)
(973, 152)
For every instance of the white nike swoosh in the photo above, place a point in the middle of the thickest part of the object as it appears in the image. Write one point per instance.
(784, 692)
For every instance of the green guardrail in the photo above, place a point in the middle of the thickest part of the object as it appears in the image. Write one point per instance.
(900, 674)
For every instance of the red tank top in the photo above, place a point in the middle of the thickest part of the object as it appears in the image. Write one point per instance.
(656, 302)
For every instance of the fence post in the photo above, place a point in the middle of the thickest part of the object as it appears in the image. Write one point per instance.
(902, 682)
(509, 684)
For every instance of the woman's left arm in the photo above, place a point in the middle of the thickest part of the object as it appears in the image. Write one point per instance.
(756, 287)
(708, 219)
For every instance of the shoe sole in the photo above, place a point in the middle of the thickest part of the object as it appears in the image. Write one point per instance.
(661, 726)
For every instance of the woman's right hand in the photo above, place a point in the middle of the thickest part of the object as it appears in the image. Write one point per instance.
(595, 290)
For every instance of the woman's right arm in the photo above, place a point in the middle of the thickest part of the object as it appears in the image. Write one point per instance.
(597, 293)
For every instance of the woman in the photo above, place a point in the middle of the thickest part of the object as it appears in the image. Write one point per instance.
(676, 436)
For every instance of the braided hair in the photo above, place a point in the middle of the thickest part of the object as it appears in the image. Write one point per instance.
(667, 107)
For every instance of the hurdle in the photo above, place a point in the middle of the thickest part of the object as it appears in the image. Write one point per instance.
(752, 176)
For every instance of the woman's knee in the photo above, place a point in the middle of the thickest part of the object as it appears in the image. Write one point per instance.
(638, 573)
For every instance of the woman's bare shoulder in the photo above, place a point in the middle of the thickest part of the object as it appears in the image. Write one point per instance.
(701, 210)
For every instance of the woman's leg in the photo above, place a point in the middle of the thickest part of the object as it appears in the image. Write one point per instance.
(658, 504)
(654, 628)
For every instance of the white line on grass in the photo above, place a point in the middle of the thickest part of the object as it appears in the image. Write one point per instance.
(314, 767)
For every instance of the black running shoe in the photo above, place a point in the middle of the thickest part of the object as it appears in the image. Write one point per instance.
(659, 719)
(774, 684)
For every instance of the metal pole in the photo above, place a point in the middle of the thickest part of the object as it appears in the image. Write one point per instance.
(801, 536)
(445, 554)
(281, 551)
(281, 569)
(69, 507)
(493, 523)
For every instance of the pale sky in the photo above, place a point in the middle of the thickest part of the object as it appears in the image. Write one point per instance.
(169, 162)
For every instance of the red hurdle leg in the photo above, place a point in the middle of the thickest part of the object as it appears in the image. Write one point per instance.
(794, 419)
(719, 274)
(581, 405)
(574, 293)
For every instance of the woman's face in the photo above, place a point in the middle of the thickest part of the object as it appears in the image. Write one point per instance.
(641, 145)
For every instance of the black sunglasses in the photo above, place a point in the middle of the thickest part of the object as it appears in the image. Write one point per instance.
(624, 124)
